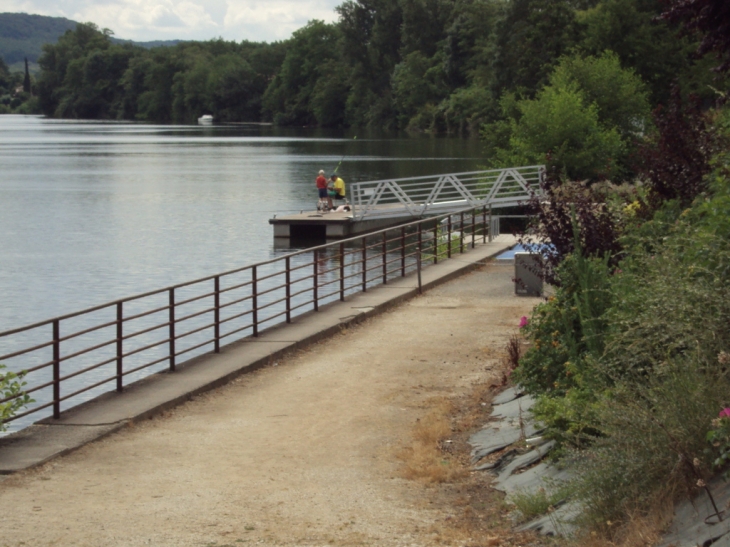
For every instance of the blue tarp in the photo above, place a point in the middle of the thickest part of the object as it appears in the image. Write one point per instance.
(510, 254)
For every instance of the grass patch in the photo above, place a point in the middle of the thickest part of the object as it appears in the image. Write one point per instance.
(540, 502)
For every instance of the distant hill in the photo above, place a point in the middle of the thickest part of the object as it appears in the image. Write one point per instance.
(23, 35)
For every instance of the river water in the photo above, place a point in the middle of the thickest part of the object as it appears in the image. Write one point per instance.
(96, 211)
(92, 212)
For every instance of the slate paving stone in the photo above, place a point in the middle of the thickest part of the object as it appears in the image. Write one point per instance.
(500, 462)
(509, 394)
(533, 479)
(496, 436)
(514, 409)
(557, 523)
(523, 461)
(688, 527)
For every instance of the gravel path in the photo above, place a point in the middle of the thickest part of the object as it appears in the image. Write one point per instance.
(302, 453)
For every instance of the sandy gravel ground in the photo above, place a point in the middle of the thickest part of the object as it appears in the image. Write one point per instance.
(301, 453)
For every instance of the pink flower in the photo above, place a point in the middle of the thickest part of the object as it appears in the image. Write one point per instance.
(523, 323)
(724, 413)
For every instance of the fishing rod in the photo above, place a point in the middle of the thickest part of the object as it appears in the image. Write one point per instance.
(342, 158)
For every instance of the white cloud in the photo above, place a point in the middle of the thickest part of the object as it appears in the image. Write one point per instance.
(256, 20)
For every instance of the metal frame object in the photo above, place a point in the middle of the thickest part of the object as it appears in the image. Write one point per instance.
(73, 358)
(436, 194)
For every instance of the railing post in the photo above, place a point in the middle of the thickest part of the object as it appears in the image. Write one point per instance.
(461, 232)
(217, 313)
(436, 243)
(448, 246)
(288, 289)
(342, 272)
(490, 224)
(172, 330)
(120, 348)
(254, 301)
(403, 250)
(315, 281)
(364, 264)
(473, 228)
(484, 224)
(420, 243)
(385, 261)
(418, 260)
(56, 369)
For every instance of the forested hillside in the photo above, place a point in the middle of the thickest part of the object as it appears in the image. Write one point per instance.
(22, 36)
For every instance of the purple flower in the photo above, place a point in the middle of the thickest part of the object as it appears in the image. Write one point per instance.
(724, 413)
(523, 324)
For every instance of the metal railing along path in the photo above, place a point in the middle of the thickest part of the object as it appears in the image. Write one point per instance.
(438, 194)
(76, 357)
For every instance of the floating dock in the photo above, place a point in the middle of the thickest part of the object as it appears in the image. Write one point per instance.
(385, 203)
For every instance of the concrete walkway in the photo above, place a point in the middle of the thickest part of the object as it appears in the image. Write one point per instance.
(50, 438)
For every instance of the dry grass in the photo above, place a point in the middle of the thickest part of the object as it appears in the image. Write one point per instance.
(428, 457)
(639, 530)
(477, 515)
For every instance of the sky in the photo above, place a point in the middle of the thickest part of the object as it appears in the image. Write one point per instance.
(145, 20)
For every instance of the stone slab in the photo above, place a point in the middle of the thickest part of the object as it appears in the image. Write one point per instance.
(688, 527)
(533, 479)
(509, 394)
(522, 462)
(557, 523)
(496, 436)
(515, 408)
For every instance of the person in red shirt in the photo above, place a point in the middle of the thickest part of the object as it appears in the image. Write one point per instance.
(322, 189)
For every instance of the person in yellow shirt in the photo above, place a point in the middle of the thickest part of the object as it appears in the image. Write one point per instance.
(338, 185)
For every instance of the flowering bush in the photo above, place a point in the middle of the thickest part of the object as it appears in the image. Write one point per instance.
(719, 438)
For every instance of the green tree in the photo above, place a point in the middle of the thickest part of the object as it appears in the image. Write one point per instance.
(560, 126)
(4, 77)
(288, 99)
(371, 45)
(654, 50)
(55, 83)
(620, 96)
(532, 37)
(417, 81)
(26, 78)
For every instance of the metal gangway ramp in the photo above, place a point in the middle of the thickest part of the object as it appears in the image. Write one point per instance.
(438, 194)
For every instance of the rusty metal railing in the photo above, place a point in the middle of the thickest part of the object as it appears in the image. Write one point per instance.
(75, 357)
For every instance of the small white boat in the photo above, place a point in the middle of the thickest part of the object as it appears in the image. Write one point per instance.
(205, 119)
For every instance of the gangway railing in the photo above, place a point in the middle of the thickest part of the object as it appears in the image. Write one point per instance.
(67, 360)
(437, 194)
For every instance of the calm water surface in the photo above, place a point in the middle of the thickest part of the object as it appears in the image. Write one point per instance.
(92, 212)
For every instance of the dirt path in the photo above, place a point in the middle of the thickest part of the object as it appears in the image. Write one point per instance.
(302, 453)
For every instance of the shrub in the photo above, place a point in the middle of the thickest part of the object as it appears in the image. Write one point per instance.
(11, 385)
(677, 161)
(556, 209)
(653, 445)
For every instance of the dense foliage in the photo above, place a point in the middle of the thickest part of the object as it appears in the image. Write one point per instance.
(595, 66)
(628, 358)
